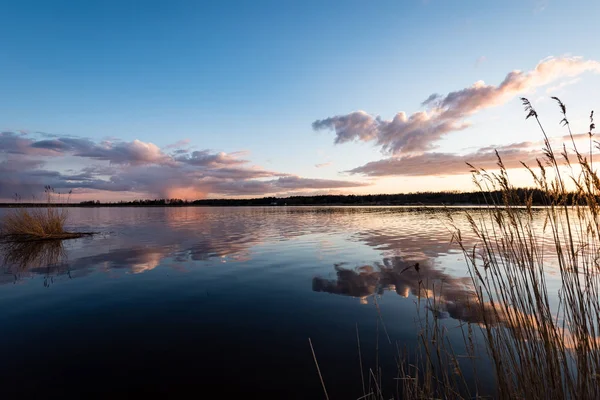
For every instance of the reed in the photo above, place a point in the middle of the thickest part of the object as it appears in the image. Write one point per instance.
(543, 343)
(541, 349)
(39, 223)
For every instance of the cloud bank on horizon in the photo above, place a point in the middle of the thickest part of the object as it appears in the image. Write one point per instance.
(437, 163)
(140, 168)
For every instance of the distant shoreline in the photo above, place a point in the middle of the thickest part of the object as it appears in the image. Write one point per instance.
(466, 199)
(116, 205)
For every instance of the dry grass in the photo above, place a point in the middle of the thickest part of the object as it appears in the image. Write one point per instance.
(34, 223)
(542, 343)
(541, 350)
(45, 223)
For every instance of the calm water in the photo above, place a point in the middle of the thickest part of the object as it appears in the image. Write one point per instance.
(196, 301)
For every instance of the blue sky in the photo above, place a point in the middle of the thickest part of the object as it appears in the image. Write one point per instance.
(252, 77)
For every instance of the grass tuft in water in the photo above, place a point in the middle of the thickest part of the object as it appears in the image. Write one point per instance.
(48, 223)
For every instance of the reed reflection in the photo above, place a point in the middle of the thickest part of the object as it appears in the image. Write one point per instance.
(37, 257)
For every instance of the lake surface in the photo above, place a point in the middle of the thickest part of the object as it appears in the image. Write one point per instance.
(223, 301)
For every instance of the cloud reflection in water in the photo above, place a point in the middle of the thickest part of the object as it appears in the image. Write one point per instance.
(144, 239)
(454, 296)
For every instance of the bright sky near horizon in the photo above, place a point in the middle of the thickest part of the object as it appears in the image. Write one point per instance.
(144, 99)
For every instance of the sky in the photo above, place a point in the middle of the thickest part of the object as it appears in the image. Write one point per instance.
(121, 100)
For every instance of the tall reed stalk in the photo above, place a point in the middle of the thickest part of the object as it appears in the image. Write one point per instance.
(541, 349)
(543, 342)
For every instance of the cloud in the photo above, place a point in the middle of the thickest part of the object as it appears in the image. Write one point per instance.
(432, 163)
(241, 173)
(159, 181)
(64, 145)
(310, 192)
(562, 85)
(116, 152)
(178, 144)
(205, 159)
(444, 114)
(18, 143)
(429, 164)
(137, 167)
(289, 183)
(403, 133)
(480, 60)
(325, 164)
(19, 176)
(296, 182)
(136, 152)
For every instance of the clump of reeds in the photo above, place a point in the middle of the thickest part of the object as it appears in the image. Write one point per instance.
(46, 222)
(541, 350)
(542, 344)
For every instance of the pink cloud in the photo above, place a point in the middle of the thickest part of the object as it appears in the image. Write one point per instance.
(136, 152)
(480, 60)
(138, 168)
(178, 144)
(436, 164)
(18, 143)
(205, 158)
(418, 132)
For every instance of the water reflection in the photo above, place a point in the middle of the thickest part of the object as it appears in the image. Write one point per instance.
(140, 240)
(454, 296)
(164, 321)
(136, 259)
(41, 257)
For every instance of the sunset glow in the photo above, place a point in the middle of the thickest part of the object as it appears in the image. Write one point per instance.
(307, 111)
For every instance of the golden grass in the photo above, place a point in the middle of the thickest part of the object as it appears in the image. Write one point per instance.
(542, 344)
(540, 349)
(33, 224)
(42, 223)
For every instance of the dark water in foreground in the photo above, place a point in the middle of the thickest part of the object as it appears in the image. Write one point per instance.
(213, 302)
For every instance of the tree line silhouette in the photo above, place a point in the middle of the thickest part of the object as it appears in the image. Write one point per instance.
(520, 196)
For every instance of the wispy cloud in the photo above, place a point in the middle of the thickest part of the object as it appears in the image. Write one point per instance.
(480, 60)
(539, 6)
(287, 183)
(178, 144)
(325, 164)
(418, 132)
(433, 163)
(561, 85)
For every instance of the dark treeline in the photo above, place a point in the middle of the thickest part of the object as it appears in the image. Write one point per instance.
(420, 198)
